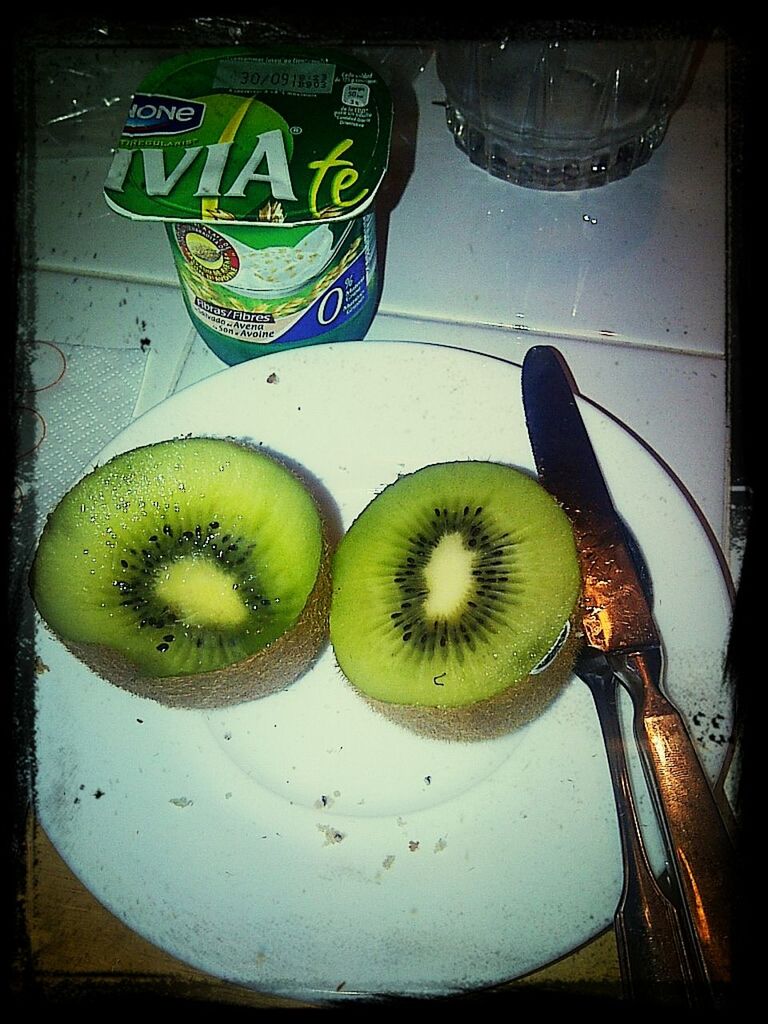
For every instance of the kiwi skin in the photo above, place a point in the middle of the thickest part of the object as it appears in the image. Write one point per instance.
(267, 671)
(498, 715)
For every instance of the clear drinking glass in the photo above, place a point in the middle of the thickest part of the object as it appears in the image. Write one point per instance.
(562, 114)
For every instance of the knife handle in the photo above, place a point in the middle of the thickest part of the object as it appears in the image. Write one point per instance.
(704, 853)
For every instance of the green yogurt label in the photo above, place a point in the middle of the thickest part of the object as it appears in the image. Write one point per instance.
(276, 291)
(265, 167)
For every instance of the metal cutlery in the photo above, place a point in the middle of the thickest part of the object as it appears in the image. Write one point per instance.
(623, 645)
(650, 937)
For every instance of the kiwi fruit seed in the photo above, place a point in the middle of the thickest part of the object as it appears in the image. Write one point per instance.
(455, 594)
(192, 571)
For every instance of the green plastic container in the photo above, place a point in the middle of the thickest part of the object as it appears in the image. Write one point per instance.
(264, 165)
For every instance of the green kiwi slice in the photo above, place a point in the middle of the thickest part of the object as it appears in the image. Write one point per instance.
(193, 571)
(453, 594)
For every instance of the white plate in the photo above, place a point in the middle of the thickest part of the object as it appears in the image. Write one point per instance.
(302, 845)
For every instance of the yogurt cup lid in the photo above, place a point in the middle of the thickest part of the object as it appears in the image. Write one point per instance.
(271, 137)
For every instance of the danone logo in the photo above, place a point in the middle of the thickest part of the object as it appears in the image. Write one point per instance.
(162, 115)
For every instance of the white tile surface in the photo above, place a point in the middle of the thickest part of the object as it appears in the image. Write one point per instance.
(641, 260)
(98, 313)
(81, 234)
(106, 312)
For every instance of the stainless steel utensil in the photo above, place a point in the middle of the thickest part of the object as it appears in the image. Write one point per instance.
(619, 626)
(653, 956)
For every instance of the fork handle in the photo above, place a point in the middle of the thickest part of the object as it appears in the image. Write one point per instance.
(652, 954)
(704, 854)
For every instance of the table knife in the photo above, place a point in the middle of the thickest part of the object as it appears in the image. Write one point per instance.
(618, 623)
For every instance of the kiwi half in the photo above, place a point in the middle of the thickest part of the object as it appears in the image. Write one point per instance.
(453, 598)
(192, 571)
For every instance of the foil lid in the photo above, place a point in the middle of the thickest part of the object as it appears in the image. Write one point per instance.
(281, 136)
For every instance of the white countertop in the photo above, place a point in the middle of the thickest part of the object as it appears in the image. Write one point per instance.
(628, 280)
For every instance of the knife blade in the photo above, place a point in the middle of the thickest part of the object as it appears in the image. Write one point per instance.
(618, 622)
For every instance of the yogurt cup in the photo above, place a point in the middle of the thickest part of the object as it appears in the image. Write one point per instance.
(264, 166)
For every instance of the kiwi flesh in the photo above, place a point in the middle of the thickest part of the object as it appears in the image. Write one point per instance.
(455, 600)
(193, 571)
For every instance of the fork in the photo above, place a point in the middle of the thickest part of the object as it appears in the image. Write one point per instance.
(653, 959)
